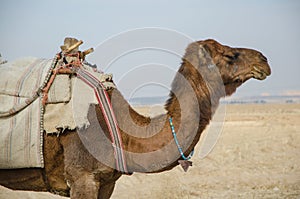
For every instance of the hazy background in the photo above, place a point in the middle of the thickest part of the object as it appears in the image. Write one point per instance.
(37, 28)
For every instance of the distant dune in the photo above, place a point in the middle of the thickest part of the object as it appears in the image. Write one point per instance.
(291, 97)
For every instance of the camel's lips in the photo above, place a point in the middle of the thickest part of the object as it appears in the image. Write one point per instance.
(259, 73)
(256, 73)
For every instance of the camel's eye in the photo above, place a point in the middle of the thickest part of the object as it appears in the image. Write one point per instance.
(233, 56)
(236, 55)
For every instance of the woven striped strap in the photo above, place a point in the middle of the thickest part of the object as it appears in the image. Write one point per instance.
(107, 111)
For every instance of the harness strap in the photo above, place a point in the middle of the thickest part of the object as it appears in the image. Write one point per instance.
(107, 111)
(74, 67)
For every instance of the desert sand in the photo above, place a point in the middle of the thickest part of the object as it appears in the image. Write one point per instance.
(257, 156)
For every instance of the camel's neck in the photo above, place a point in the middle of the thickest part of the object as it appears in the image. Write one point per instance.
(149, 142)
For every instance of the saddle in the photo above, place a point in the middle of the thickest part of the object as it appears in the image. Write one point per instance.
(36, 97)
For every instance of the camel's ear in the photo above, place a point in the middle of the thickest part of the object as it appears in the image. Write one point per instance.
(213, 47)
(207, 47)
(204, 57)
(191, 54)
(199, 55)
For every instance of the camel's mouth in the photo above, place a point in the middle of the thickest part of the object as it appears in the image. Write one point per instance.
(255, 73)
(238, 80)
(259, 73)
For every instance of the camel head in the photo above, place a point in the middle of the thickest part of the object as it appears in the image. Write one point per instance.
(235, 65)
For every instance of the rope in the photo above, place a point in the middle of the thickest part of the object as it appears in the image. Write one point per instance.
(177, 143)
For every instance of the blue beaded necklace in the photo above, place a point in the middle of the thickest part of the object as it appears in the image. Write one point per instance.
(177, 143)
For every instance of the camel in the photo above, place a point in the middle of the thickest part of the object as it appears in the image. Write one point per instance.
(71, 170)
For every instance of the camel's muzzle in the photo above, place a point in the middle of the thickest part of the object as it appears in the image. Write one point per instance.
(260, 73)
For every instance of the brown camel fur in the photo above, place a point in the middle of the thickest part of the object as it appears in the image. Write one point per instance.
(71, 170)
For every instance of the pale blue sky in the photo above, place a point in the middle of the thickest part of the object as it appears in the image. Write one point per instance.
(37, 28)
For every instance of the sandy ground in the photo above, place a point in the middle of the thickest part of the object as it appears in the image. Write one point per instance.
(256, 156)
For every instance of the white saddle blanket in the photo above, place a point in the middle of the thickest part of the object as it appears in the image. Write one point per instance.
(21, 134)
(21, 138)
